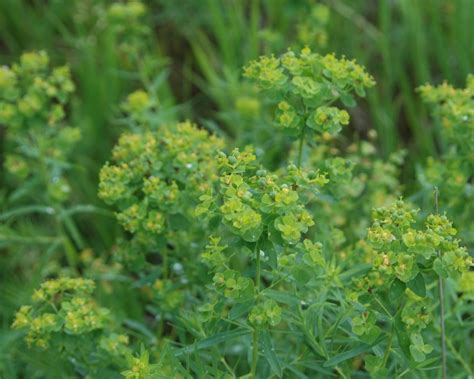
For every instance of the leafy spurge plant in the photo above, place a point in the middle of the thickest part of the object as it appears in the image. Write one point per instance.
(236, 267)
(126, 20)
(304, 86)
(65, 318)
(60, 307)
(267, 213)
(452, 108)
(397, 292)
(33, 102)
(155, 181)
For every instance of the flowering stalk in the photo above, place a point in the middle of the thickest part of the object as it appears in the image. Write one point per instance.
(304, 85)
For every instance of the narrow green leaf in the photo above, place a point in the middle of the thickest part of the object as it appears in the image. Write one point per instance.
(350, 354)
(26, 210)
(281, 297)
(87, 208)
(240, 309)
(359, 269)
(141, 328)
(269, 353)
(214, 340)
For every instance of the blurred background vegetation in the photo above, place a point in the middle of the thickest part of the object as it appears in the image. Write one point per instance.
(190, 54)
(204, 44)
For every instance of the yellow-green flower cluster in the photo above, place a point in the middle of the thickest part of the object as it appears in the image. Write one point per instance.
(293, 225)
(406, 259)
(455, 110)
(267, 71)
(311, 30)
(129, 11)
(82, 315)
(233, 285)
(156, 175)
(127, 21)
(253, 201)
(32, 95)
(59, 306)
(33, 101)
(266, 313)
(305, 84)
(287, 116)
(346, 74)
(140, 367)
(137, 102)
(453, 259)
(141, 111)
(115, 344)
(328, 119)
(267, 212)
(49, 289)
(402, 248)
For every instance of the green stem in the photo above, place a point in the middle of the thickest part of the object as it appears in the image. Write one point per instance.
(164, 276)
(444, 367)
(253, 369)
(257, 270)
(71, 227)
(70, 252)
(443, 328)
(387, 352)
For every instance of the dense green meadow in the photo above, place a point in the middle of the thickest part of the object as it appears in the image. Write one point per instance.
(236, 189)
